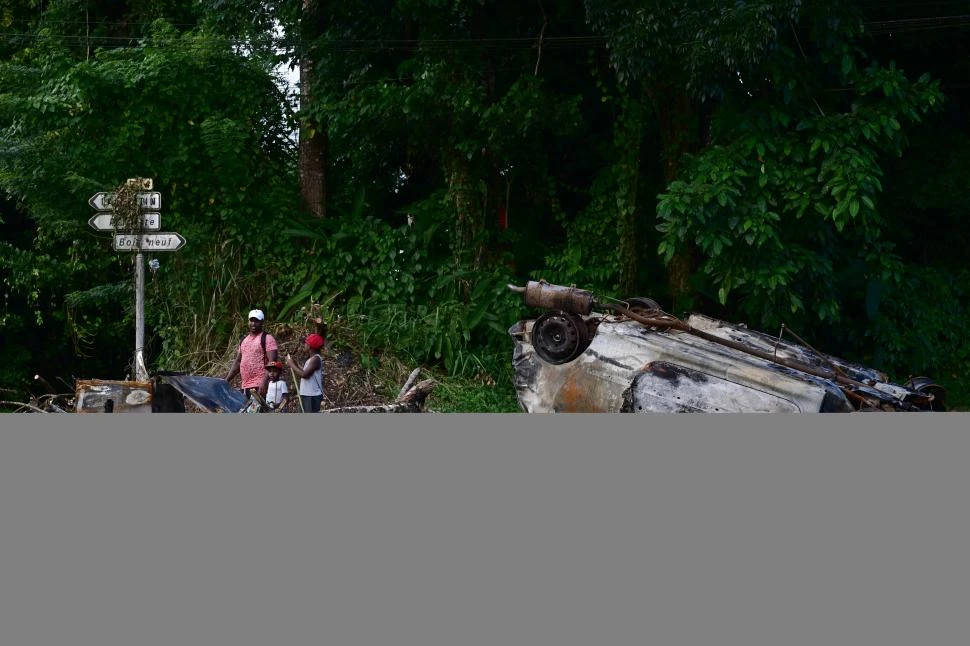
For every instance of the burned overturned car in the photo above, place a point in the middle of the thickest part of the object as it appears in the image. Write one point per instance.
(636, 358)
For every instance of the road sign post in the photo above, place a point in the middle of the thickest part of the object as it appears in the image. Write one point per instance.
(149, 204)
(141, 370)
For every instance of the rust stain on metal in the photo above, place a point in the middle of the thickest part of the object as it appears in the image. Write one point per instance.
(575, 395)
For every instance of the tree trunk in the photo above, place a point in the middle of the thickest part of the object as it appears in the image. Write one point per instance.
(469, 225)
(679, 132)
(313, 136)
(629, 144)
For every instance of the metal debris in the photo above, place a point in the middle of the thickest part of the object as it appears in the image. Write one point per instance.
(103, 396)
(209, 394)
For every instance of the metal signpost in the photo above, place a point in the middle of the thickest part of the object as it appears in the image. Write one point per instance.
(133, 239)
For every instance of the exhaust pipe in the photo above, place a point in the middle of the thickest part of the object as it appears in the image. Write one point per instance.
(556, 297)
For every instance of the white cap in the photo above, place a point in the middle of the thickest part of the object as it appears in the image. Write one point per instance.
(256, 314)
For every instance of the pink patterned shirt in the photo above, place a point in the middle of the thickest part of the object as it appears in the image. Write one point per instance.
(252, 368)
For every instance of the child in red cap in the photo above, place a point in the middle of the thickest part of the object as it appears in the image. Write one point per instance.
(311, 374)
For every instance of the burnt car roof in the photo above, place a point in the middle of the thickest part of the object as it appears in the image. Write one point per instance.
(641, 359)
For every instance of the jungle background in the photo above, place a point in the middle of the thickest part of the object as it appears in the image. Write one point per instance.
(803, 162)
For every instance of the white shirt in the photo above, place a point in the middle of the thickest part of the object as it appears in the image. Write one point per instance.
(275, 392)
(312, 385)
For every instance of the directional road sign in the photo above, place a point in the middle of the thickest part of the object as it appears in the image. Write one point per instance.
(146, 200)
(148, 242)
(105, 221)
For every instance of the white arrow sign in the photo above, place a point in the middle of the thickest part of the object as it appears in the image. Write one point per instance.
(146, 200)
(148, 242)
(106, 221)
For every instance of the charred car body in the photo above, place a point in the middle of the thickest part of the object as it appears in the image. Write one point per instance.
(637, 358)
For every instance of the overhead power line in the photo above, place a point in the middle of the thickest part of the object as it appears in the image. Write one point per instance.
(875, 28)
(917, 24)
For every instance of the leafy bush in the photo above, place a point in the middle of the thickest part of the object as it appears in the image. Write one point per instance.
(920, 330)
(405, 297)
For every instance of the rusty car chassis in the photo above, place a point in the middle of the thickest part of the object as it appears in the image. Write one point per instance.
(636, 358)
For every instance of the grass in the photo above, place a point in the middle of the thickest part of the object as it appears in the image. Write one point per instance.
(464, 395)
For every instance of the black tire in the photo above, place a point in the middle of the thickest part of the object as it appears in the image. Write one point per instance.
(560, 337)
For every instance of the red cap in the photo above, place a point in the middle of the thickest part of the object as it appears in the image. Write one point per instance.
(315, 341)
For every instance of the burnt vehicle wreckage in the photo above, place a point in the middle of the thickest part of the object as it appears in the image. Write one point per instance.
(632, 357)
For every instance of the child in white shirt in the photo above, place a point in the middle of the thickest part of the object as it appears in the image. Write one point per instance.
(277, 393)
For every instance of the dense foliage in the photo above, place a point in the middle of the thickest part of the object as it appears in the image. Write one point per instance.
(768, 161)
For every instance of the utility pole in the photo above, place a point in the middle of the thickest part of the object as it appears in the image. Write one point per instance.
(141, 370)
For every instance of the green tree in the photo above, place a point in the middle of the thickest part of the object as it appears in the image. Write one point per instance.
(439, 108)
(783, 206)
(679, 57)
(185, 109)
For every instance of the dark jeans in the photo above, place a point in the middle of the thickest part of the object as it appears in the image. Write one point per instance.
(311, 403)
